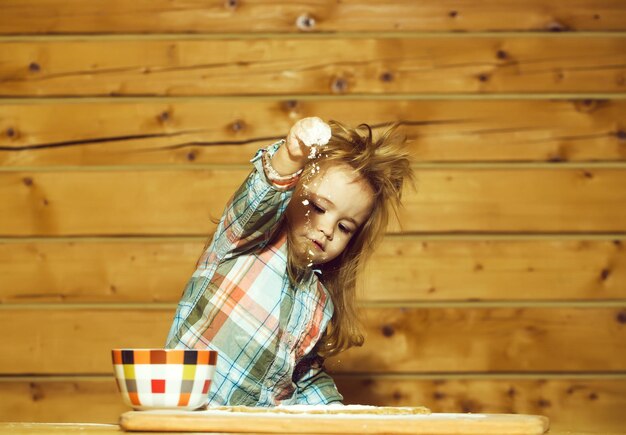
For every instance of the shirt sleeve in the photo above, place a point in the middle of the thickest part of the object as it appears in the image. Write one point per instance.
(254, 211)
(316, 387)
(248, 222)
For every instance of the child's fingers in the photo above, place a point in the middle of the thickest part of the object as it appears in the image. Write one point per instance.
(295, 140)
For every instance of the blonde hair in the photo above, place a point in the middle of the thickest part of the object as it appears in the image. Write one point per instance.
(385, 165)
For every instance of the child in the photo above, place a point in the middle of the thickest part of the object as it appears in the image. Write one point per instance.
(274, 293)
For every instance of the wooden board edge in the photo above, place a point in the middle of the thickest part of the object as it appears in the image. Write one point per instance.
(432, 424)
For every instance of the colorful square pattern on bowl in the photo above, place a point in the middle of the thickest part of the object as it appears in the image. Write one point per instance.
(159, 378)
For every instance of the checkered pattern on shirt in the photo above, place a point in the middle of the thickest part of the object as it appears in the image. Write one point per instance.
(239, 301)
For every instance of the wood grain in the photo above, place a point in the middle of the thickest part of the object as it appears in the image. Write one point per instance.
(113, 429)
(571, 403)
(403, 270)
(182, 202)
(532, 324)
(195, 16)
(433, 424)
(398, 340)
(228, 131)
(61, 400)
(337, 66)
(574, 403)
(402, 340)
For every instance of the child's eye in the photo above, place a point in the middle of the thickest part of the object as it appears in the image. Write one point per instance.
(317, 208)
(344, 229)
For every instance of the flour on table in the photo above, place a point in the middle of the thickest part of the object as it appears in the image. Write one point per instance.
(327, 409)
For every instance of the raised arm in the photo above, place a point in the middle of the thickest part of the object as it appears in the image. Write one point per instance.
(254, 211)
(251, 215)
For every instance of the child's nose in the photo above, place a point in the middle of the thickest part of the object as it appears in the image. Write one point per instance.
(326, 228)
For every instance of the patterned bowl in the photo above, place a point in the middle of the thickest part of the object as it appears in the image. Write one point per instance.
(164, 378)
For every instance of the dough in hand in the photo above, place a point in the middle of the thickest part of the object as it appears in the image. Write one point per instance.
(315, 133)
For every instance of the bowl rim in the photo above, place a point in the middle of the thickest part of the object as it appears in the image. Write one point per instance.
(167, 350)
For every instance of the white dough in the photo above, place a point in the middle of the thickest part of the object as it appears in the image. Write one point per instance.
(317, 133)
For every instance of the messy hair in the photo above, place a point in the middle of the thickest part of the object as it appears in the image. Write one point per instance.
(385, 164)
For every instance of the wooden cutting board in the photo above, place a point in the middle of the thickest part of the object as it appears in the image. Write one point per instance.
(244, 422)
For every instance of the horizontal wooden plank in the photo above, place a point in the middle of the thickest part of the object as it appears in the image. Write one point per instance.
(489, 339)
(119, 133)
(399, 340)
(87, 428)
(61, 401)
(182, 202)
(195, 16)
(404, 269)
(345, 66)
(570, 403)
(573, 404)
(109, 429)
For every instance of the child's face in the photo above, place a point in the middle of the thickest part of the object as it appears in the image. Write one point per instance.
(327, 212)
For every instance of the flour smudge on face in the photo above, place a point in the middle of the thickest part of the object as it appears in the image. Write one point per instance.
(315, 136)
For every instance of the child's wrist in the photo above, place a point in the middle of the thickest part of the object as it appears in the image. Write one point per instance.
(275, 176)
(285, 164)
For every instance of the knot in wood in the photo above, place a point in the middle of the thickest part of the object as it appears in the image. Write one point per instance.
(555, 26)
(164, 116)
(621, 317)
(232, 4)
(10, 132)
(339, 85)
(469, 406)
(501, 54)
(36, 392)
(556, 159)
(34, 67)
(238, 125)
(290, 104)
(587, 105)
(621, 134)
(559, 76)
(386, 76)
(305, 22)
(388, 330)
(543, 403)
(438, 395)
(453, 14)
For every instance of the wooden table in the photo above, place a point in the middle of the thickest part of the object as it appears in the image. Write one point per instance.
(113, 429)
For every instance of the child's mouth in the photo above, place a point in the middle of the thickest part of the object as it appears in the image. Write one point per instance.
(318, 245)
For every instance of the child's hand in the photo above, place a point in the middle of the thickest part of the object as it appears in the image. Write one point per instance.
(305, 136)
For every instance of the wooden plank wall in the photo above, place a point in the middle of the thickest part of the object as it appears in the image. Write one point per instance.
(124, 126)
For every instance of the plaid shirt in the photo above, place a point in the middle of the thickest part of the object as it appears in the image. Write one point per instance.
(240, 302)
